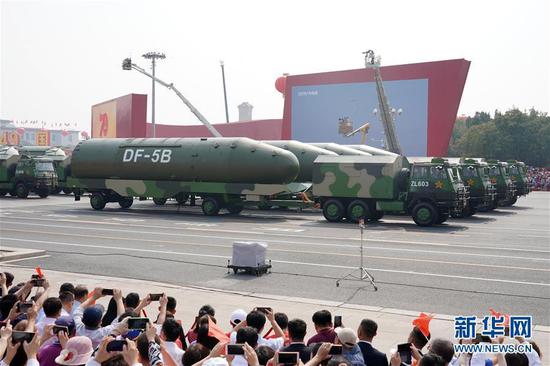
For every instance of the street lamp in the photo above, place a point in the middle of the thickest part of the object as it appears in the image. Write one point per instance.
(153, 56)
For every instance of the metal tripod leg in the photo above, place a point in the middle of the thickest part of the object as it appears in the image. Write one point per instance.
(359, 274)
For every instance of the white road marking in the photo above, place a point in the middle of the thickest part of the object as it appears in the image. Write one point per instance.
(63, 216)
(282, 229)
(125, 220)
(25, 259)
(280, 261)
(195, 224)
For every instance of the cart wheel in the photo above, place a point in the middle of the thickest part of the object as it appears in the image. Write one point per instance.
(337, 284)
(375, 288)
(235, 270)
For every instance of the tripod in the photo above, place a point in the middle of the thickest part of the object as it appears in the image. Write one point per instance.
(363, 273)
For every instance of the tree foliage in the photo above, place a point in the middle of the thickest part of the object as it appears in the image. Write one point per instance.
(523, 136)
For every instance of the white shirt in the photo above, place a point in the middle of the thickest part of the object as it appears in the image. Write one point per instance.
(42, 324)
(174, 351)
(273, 343)
(478, 359)
(533, 357)
(95, 335)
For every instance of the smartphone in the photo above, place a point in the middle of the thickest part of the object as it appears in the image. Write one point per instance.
(20, 337)
(337, 321)
(37, 282)
(107, 292)
(60, 328)
(138, 323)
(336, 349)
(264, 309)
(286, 358)
(155, 297)
(25, 306)
(234, 349)
(405, 353)
(116, 345)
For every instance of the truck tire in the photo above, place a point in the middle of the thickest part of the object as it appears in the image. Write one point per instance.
(67, 190)
(126, 202)
(377, 215)
(425, 214)
(333, 210)
(210, 206)
(443, 216)
(43, 193)
(235, 208)
(21, 190)
(511, 201)
(181, 198)
(97, 201)
(159, 201)
(3, 193)
(357, 210)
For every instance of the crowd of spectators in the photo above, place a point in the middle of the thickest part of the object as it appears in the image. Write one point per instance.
(71, 328)
(539, 178)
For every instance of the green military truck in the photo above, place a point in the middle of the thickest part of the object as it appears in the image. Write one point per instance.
(61, 162)
(366, 187)
(518, 175)
(500, 177)
(22, 174)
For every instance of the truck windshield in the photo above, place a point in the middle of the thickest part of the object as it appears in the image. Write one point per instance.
(514, 170)
(437, 172)
(469, 172)
(44, 167)
(493, 170)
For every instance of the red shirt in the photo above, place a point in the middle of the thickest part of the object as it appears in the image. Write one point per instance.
(325, 335)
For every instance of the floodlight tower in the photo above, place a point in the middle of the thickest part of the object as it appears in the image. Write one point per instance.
(153, 56)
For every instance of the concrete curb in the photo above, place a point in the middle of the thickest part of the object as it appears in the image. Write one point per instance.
(12, 253)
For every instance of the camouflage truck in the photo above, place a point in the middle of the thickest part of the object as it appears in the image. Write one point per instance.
(500, 177)
(22, 174)
(225, 173)
(518, 175)
(61, 163)
(366, 187)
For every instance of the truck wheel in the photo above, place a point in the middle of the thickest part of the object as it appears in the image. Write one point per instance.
(21, 190)
(181, 198)
(126, 202)
(43, 193)
(376, 216)
(357, 210)
(210, 206)
(159, 201)
(67, 190)
(333, 210)
(56, 191)
(235, 208)
(97, 201)
(3, 193)
(425, 214)
(512, 201)
(443, 216)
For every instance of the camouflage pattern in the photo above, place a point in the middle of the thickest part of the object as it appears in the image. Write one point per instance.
(223, 160)
(518, 175)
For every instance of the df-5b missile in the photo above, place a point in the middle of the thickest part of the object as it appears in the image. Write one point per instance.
(305, 153)
(339, 149)
(227, 160)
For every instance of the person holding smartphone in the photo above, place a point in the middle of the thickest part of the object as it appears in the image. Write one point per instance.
(350, 350)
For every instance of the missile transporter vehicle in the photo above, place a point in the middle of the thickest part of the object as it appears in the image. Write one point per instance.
(518, 175)
(475, 175)
(22, 174)
(366, 187)
(500, 177)
(226, 173)
(61, 163)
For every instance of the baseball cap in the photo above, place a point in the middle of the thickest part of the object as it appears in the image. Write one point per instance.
(237, 316)
(66, 321)
(78, 351)
(92, 316)
(346, 336)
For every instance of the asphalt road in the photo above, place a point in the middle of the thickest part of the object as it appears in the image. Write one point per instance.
(498, 259)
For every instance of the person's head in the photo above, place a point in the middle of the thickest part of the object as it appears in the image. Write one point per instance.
(431, 359)
(142, 345)
(236, 317)
(171, 330)
(536, 348)
(194, 354)
(67, 300)
(67, 321)
(171, 305)
(367, 329)
(315, 349)
(418, 338)
(322, 319)
(346, 337)
(338, 361)
(117, 360)
(248, 335)
(131, 300)
(516, 359)
(66, 287)
(77, 352)
(443, 348)
(282, 320)
(80, 293)
(207, 310)
(256, 319)
(52, 307)
(128, 314)
(9, 278)
(264, 354)
(92, 317)
(202, 330)
(297, 329)
(6, 304)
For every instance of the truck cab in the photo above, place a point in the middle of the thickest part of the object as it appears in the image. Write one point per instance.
(482, 191)
(499, 175)
(518, 175)
(34, 175)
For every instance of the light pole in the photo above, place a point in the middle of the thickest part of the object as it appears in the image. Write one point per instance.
(224, 91)
(153, 56)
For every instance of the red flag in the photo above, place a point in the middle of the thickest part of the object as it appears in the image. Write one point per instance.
(423, 323)
(215, 332)
(498, 314)
(39, 272)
